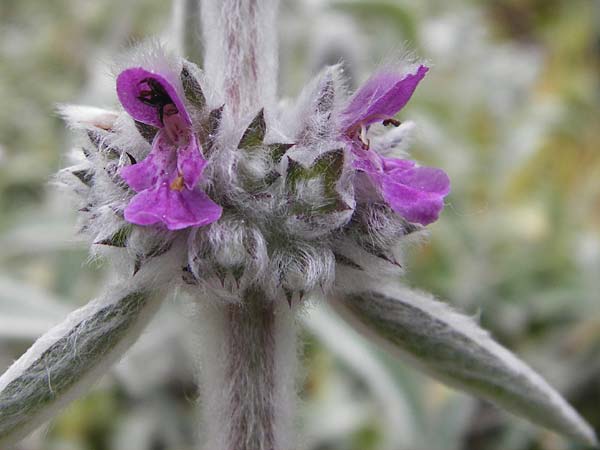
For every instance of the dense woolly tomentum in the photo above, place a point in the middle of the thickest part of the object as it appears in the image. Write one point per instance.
(203, 181)
(275, 201)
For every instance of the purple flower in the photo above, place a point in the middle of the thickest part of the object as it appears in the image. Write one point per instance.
(415, 193)
(165, 181)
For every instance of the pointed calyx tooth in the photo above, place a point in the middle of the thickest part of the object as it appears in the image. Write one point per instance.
(329, 165)
(221, 273)
(289, 296)
(148, 132)
(326, 95)
(137, 265)
(271, 177)
(278, 150)
(132, 160)
(188, 276)
(452, 348)
(329, 168)
(209, 130)
(255, 133)
(376, 229)
(97, 139)
(191, 88)
(229, 276)
(295, 173)
(410, 228)
(119, 239)
(156, 250)
(318, 124)
(233, 277)
(86, 176)
(379, 251)
(293, 296)
(345, 261)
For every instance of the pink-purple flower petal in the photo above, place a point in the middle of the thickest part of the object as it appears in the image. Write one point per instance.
(177, 209)
(415, 193)
(381, 97)
(157, 166)
(413, 204)
(137, 83)
(426, 179)
(367, 161)
(166, 184)
(390, 164)
(190, 163)
(166, 180)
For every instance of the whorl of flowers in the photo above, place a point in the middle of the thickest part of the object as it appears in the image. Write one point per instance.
(203, 181)
(274, 201)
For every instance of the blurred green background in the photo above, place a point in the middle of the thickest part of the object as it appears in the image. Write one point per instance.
(511, 110)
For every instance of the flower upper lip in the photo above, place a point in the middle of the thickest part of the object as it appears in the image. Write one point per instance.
(415, 193)
(155, 90)
(381, 97)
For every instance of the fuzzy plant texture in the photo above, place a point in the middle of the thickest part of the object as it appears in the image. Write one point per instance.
(201, 181)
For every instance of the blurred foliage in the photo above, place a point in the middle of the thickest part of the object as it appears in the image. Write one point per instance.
(510, 110)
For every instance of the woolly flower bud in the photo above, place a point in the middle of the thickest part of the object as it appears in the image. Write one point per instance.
(269, 201)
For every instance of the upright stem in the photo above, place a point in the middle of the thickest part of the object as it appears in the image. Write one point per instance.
(248, 351)
(241, 51)
(248, 366)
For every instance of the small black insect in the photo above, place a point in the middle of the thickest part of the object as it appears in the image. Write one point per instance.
(152, 93)
(391, 121)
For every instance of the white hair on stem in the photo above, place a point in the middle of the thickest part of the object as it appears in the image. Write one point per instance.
(248, 355)
(248, 372)
(241, 51)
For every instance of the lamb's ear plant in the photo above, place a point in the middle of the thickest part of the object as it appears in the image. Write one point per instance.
(203, 182)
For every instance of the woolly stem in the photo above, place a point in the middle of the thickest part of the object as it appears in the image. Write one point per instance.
(247, 368)
(241, 51)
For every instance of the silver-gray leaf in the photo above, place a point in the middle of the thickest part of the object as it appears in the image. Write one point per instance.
(68, 358)
(452, 348)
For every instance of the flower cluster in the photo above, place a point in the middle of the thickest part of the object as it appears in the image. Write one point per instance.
(274, 201)
(185, 189)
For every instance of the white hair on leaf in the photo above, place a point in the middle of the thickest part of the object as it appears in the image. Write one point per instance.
(452, 348)
(69, 358)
